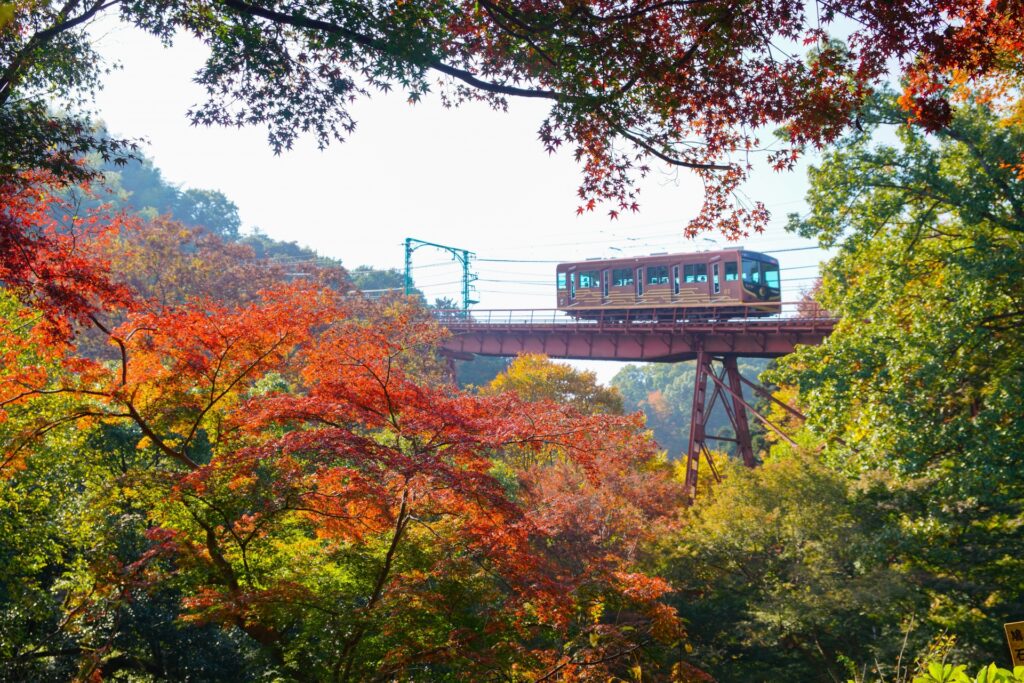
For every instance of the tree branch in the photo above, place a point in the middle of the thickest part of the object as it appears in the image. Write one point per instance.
(383, 47)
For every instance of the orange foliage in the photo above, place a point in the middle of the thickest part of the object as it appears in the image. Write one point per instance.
(50, 254)
(320, 414)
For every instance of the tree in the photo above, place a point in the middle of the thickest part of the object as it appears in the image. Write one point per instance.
(211, 210)
(784, 573)
(921, 379)
(289, 471)
(46, 57)
(634, 83)
(480, 371)
(50, 254)
(139, 187)
(533, 377)
(167, 264)
(368, 277)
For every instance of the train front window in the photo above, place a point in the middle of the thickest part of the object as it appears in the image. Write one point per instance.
(770, 274)
(730, 271)
(695, 272)
(561, 281)
(622, 277)
(590, 279)
(657, 275)
(751, 271)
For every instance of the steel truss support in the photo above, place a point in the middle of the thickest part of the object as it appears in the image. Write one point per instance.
(728, 386)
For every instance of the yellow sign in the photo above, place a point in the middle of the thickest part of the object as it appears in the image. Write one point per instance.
(1015, 637)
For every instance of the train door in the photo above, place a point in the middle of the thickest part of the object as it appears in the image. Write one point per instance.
(675, 280)
(716, 286)
(572, 286)
(605, 277)
(639, 281)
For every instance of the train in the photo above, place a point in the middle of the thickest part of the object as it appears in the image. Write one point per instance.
(705, 285)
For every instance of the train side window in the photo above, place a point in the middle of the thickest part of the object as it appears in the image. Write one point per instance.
(572, 286)
(696, 272)
(657, 275)
(561, 281)
(770, 274)
(605, 277)
(639, 281)
(675, 279)
(730, 271)
(590, 279)
(714, 279)
(622, 277)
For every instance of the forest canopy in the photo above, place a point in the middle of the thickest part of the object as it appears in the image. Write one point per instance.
(692, 85)
(214, 467)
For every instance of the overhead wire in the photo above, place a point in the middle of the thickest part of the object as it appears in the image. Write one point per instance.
(508, 260)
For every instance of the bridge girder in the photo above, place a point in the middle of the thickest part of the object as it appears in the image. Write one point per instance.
(707, 342)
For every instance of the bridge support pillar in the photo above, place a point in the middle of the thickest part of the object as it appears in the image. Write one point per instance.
(727, 381)
(739, 411)
(697, 423)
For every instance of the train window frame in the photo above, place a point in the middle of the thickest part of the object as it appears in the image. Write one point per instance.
(639, 281)
(657, 275)
(562, 282)
(695, 273)
(675, 279)
(605, 282)
(572, 286)
(622, 277)
(734, 274)
(715, 281)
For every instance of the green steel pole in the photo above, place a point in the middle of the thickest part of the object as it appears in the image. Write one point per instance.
(465, 280)
(408, 266)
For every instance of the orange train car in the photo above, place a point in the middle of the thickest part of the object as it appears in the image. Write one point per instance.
(710, 284)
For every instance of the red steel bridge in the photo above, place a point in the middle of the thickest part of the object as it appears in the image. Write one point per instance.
(714, 340)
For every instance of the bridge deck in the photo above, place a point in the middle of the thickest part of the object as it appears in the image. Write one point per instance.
(676, 337)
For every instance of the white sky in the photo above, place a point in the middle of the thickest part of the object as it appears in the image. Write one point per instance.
(471, 178)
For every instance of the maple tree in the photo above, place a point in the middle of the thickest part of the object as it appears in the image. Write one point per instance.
(166, 263)
(688, 84)
(51, 253)
(305, 479)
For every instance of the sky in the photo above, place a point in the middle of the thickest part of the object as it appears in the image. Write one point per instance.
(471, 178)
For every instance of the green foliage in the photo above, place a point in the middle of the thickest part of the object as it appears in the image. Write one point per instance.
(368, 277)
(480, 371)
(783, 573)
(939, 672)
(42, 62)
(72, 521)
(139, 187)
(923, 379)
(664, 393)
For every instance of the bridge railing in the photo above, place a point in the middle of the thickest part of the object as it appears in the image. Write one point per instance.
(763, 314)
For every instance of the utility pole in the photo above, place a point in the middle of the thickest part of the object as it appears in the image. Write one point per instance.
(463, 256)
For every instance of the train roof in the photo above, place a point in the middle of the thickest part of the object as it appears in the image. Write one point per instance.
(688, 254)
